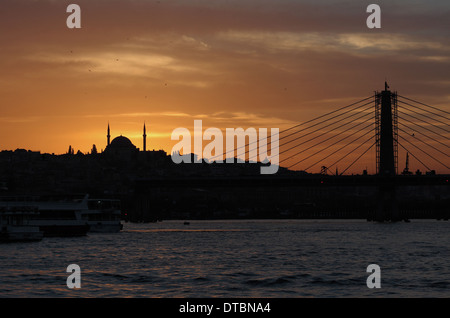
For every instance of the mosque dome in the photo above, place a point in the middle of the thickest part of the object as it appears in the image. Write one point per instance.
(121, 146)
(122, 142)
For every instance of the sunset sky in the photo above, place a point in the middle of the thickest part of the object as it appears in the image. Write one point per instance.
(236, 63)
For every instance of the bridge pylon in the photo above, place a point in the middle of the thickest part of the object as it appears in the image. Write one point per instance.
(386, 134)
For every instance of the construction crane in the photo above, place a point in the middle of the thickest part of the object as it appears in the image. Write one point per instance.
(406, 169)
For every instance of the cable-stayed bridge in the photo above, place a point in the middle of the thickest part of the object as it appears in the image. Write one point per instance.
(321, 155)
(373, 128)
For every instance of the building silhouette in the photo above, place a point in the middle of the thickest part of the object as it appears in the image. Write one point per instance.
(121, 147)
(151, 186)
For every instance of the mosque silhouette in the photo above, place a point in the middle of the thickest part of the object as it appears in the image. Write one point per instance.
(121, 146)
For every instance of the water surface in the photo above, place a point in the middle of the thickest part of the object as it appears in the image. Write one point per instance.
(237, 258)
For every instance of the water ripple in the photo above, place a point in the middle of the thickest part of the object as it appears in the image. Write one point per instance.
(287, 258)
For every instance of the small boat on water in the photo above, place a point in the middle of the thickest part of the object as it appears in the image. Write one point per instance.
(15, 227)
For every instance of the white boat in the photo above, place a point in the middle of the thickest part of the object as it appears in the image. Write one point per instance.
(102, 215)
(71, 216)
(15, 227)
(54, 217)
(61, 218)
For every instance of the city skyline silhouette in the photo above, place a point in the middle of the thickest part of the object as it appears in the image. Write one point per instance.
(243, 153)
(227, 64)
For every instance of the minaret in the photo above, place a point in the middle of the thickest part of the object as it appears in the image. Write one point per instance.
(145, 139)
(108, 136)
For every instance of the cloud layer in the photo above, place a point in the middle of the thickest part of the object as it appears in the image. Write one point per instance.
(230, 63)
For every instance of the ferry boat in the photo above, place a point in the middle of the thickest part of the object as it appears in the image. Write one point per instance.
(15, 227)
(102, 215)
(59, 217)
(71, 216)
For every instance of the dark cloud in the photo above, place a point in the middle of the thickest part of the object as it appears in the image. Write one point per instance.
(283, 60)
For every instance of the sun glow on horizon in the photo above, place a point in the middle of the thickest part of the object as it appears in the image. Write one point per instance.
(169, 63)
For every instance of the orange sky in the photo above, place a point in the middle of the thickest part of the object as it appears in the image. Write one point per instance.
(230, 63)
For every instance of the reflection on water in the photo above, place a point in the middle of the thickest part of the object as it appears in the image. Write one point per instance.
(254, 258)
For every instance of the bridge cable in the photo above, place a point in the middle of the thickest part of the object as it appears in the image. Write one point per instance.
(325, 126)
(425, 121)
(306, 128)
(370, 131)
(309, 133)
(297, 145)
(297, 153)
(422, 109)
(358, 158)
(425, 143)
(413, 156)
(423, 127)
(424, 152)
(301, 124)
(415, 130)
(441, 122)
(424, 104)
